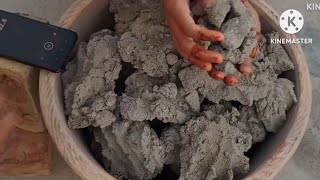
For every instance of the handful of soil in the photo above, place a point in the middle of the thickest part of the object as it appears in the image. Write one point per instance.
(155, 116)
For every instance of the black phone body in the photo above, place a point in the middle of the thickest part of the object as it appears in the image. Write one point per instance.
(35, 43)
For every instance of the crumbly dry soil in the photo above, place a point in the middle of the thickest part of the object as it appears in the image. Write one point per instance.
(150, 110)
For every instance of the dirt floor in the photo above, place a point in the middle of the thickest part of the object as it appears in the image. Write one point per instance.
(304, 165)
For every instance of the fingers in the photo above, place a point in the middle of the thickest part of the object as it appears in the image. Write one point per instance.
(185, 31)
(179, 13)
(202, 33)
(198, 32)
(189, 49)
(183, 50)
(217, 75)
(246, 67)
(205, 2)
(195, 53)
(231, 80)
(254, 52)
(202, 65)
(200, 52)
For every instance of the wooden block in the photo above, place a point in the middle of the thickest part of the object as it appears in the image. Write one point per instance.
(25, 148)
(26, 154)
(23, 84)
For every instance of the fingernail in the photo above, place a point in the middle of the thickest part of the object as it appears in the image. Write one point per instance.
(217, 75)
(203, 67)
(231, 80)
(218, 60)
(246, 68)
(219, 37)
(254, 52)
(206, 68)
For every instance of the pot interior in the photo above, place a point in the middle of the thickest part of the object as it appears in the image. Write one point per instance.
(259, 153)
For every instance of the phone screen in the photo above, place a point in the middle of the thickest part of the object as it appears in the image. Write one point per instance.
(35, 43)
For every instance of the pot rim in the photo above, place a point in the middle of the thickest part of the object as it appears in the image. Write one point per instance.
(77, 155)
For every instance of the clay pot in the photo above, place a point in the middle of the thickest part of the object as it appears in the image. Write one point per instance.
(88, 16)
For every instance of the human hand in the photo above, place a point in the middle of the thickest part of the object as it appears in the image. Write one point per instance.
(246, 67)
(186, 33)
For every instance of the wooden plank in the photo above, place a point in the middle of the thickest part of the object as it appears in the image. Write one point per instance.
(26, 154)
(25, 148)
(23, 82)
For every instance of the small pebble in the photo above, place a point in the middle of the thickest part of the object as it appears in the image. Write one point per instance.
(144, 37)
(172, 59)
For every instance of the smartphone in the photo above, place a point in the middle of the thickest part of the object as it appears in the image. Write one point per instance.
(35, 43)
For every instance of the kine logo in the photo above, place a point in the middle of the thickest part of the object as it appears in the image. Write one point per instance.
(291, 21)
(2, 24)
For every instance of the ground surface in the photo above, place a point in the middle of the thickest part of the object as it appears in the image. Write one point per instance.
(306, 162)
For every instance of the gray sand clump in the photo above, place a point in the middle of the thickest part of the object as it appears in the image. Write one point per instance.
(235, 31)
(171, 139)
(151, 110)
(237, 24)
(135, 51)
(148, 101)
(146, 43)
(246, 119)
(131, 149)
(172, 59)
(275, 58)
(249, 122)
(249, 89)
(228, 68)
(216, 12)
(272, 109)
(213, 149)
(90, 96)
(224, 109)
(238, 28)
(127, 11)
